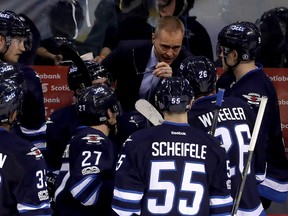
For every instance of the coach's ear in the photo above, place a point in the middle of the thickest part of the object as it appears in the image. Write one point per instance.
(153, 37)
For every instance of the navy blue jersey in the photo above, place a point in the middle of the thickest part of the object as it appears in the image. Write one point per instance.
(250, 88)
(234, 129)
(61, 126)
(86, 180)
(172, 169)
(23, 189)
(32, 121)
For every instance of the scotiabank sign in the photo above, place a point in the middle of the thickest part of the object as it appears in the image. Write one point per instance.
(279, 77)
(55, 88)
(57, 93)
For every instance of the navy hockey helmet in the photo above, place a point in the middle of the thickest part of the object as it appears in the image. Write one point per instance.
(242, 36)
(11, 98)
(201, 74)
(12, 25)
(93, 103)
(98, 71)
(174, 94)
(280, 13)
(76, 79)
(13, 72)
(273, 26)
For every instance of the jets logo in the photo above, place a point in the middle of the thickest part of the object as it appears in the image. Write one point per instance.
(253, 98)
(93, 139)
(36, 152)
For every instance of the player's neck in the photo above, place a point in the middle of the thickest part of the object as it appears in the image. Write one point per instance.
(103, 128)
(176, 117)
(243, 68)
(5, 126)
(204, 95)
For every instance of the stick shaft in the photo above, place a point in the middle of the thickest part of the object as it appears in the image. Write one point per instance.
(258, 123)
(250, 154)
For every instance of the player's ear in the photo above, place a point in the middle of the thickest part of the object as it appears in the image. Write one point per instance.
(191, 104)
(111, 117)
(235, 55)
(12, 116)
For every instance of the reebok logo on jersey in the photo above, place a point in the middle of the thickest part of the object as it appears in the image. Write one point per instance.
(253, 98)
(93, 139)
(178, 133)
(36, 152)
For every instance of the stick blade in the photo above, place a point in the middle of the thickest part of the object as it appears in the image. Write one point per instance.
(72, 55)
(148, 111)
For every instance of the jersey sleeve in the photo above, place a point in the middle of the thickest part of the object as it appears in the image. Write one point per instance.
(220, 187)
(32, 119)
(129, 188)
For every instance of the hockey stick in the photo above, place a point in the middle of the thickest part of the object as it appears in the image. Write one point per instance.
(148, 111)
(72, 55)
(219, 100)
(252, 144)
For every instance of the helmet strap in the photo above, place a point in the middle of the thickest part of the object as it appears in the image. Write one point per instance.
(231, 67)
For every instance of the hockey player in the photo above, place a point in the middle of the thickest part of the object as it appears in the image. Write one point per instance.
(172, 169)
(15, 38)
(238, 45)
(23, 189)
(62, 123)
(85, 182)
(234, 127)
